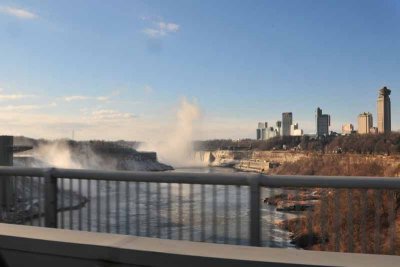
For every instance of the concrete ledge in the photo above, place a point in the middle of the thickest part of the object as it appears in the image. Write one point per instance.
(35, 246)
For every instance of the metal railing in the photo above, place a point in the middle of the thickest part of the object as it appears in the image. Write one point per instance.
(354, 214)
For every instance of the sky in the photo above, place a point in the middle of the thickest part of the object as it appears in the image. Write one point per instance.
(120, 69)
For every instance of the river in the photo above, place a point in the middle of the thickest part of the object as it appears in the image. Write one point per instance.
(231, 219)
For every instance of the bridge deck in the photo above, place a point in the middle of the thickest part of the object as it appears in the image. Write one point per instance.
(35, 246)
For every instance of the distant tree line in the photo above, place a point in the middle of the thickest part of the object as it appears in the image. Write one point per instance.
(367, 144)
(275, 143)
(355, 143)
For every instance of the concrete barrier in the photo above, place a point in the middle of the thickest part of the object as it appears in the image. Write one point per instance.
(35, 246)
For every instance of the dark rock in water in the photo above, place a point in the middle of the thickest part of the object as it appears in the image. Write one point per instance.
(295, 205)
(307, 240)
(292, 197)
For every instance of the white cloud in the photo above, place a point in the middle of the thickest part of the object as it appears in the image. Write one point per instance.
(169, 27)
(14, 96)
(154, 33)
(26, 107)
(23, 108)
(102, 98)
(82, 97)
(110, 114)
(75, 98)
(161, 29)
(18, 12)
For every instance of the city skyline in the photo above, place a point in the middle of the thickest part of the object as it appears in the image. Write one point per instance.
(323, 121)
(67, 69)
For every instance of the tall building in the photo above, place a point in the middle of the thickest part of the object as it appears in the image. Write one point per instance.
(347, 128)
(287, 120)
(258, 134)
(373, 130)
(270, 133)
(322, 121)
(295, 131)
(264, 132)
(383, 108)
(261, 130)
(365, 123)
(279, 127)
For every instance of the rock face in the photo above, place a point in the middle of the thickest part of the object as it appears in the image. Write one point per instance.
(220, 158)
(247, 160)
(144, 165)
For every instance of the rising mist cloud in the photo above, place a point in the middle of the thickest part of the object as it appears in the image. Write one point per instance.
(174, 145)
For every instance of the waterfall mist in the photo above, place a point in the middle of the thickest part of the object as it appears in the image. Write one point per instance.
(175, 147)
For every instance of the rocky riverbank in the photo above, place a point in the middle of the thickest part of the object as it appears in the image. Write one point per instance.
(303, 163)
(248, 160)
(361, 221)
(299, 203)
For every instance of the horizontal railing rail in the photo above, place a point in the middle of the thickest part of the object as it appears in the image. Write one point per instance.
(200, 203)
(365, 182)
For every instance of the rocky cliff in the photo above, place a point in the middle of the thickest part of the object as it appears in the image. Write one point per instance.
(248, 160)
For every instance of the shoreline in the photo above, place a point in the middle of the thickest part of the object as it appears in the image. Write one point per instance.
(303, 202)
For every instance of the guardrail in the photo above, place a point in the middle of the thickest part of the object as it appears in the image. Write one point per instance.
(239, 208)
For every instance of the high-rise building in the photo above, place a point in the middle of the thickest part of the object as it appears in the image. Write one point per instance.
(262, 125)
(261, 130)
(322, 121)
(287, 120)
(279, 127)
(270, 133)
(295, 131)
(347, 128)
(365, 123)
(258, 134)
(373, 130)
(264, 132)
(383, 108)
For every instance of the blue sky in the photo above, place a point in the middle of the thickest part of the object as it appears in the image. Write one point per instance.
(119, 69)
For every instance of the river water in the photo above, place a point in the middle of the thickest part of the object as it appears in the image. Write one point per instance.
(151, 211)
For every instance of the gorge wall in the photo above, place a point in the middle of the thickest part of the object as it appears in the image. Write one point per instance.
(247, 160)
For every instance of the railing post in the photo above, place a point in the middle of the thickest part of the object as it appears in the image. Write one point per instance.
(7, 192)
(50, 206)
(255, 223)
